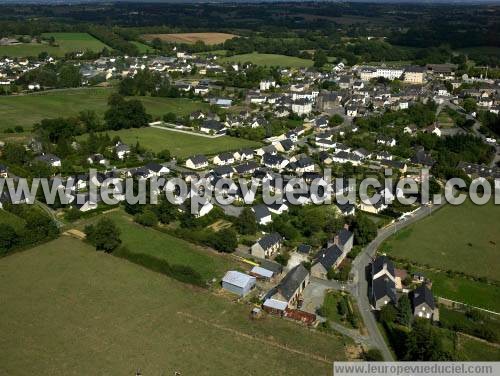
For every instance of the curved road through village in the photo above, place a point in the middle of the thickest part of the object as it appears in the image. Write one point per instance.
(359, 285)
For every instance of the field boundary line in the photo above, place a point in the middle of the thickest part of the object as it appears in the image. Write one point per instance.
(255, 338)
(465, 305)
(186, 132)
(479, 339)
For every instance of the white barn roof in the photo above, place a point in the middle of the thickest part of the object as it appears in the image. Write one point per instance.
(237, 278)
(276, 304)
(262, 272)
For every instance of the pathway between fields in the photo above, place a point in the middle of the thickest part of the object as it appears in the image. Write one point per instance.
(319, 358)
(186, 132)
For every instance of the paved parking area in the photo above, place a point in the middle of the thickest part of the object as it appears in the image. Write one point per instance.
(313, 296)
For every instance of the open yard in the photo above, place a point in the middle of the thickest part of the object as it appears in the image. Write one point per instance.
(68, 309)
(65, 42)
(181, 145)
(26, 110)
(464, 238)
(269, 60)
(191, 38)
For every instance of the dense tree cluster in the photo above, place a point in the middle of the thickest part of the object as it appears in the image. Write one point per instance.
(36, 227)
(62, 75)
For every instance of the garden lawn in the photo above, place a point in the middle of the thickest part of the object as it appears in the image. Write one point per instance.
(66, 42)
(269, 60)
(68, 309)
(465, 290)
(181, 145)
(26, 110)
(464, 238)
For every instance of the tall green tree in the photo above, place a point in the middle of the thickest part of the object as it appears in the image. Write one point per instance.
(104, 235)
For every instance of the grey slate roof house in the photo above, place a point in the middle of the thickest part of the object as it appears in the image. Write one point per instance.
(422, 302)
(267, 245)
(211, 126)
(327, 259)
(197, 162)
(262, 214)
(383, 284)
(49, 159)
(291, 286)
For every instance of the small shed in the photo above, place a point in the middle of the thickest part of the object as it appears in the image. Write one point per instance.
(275, 306)
(238, 283)
(261, 273)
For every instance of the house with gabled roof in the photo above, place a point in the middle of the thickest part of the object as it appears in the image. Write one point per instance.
(197, 162)
(422, 301)
(383, 282)
(326, 260)
(267, 246)
(274, 161)
(262, 214)
(290, 289)
(224, 159)
(211, 126)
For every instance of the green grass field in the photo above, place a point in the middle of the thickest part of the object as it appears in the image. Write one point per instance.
(471, 349)
(181, 145)
(143, 48)
(468, 291)
(462, 238)
(68, 309)
(269, 60)
(67, 42)
(145, 240)
(26, 110)
(11, 219)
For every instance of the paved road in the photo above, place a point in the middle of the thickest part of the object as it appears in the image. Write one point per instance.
(359, 285)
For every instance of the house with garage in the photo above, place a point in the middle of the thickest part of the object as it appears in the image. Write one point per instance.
(274, 161)
(224, 159)
(197, 162)
(211, 127)
(243, 155)
(302, 164)
(267, 246)
(422, 301)
(224, 171)
(246, 168)
(157, 169)
(238, 283)
(383, 283)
